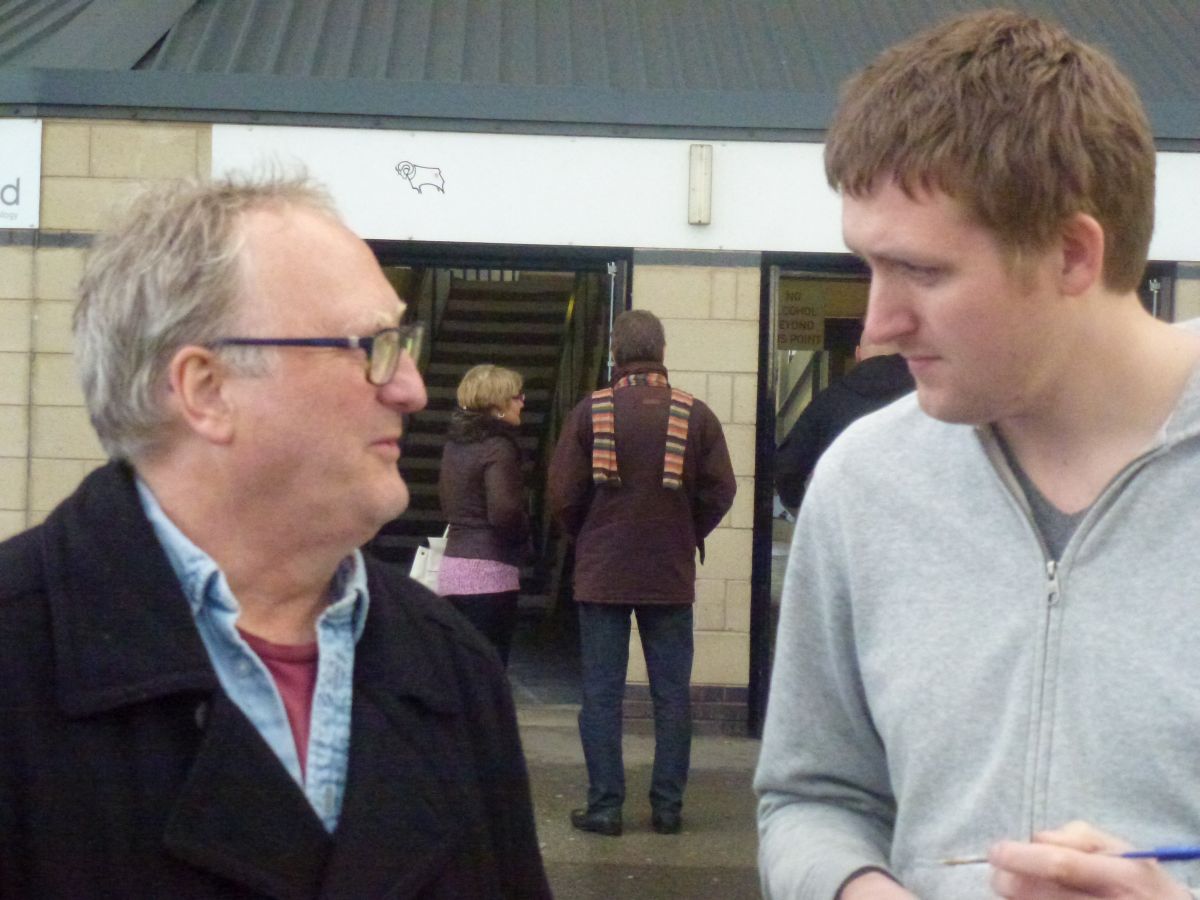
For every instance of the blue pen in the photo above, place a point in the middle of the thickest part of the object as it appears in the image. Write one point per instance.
(1175, 853)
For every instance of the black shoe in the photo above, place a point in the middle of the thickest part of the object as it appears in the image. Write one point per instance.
(665, 822)
(608, 823)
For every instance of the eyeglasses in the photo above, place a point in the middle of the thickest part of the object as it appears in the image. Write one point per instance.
(383, 348)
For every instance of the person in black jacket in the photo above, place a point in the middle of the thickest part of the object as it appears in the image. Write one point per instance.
(482, 490)
(880, 377)
(208, 690)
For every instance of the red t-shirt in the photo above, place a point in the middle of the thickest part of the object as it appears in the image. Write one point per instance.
(294, 669)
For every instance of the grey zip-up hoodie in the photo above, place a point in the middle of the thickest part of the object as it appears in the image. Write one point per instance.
(939, 684)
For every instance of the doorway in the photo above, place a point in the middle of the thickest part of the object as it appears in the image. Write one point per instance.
(812, 307)
(545, 313)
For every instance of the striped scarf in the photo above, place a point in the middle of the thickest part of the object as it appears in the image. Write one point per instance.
(604, 431)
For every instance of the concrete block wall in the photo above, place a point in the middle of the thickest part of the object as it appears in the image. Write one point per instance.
(47, 444)
(1187, 292)
(709, 306)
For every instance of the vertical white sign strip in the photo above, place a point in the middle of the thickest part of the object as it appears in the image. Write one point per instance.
(20, 173)
(1177, 208)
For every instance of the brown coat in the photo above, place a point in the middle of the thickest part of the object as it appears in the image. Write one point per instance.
(637, 543)
(482, 490)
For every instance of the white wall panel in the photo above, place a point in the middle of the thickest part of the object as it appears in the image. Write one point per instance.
(620, 192)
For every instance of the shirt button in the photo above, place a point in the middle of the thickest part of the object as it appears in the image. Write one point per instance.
(244, 668)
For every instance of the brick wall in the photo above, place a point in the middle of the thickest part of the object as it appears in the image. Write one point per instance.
(88, 167)
(716, 709)
(710, 314)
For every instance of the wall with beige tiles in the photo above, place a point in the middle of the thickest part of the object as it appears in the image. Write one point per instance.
(16, 293)
(710, 314)
(88, 168)
(1187, 292)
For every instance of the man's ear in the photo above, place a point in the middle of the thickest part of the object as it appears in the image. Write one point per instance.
(198, 390)
(1082, 254)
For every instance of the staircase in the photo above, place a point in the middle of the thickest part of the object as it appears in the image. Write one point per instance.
(515, 324)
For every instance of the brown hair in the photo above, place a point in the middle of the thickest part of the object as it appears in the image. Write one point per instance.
(637, 336)
(1020, 122)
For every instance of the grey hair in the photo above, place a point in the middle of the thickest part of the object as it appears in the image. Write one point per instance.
(169, 274)
(637, 336)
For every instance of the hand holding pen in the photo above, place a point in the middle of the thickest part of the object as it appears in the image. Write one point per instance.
(1172, 853)
(1079, 860)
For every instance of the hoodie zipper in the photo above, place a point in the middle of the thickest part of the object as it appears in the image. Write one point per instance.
(1036, 789)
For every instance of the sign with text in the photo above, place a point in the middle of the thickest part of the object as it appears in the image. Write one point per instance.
(806, 301)
(801, 317)
(20, 172)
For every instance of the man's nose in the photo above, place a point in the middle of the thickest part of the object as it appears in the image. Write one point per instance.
(889, 312)
(406, 390)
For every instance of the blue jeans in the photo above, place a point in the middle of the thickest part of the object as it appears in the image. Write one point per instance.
(666, 633)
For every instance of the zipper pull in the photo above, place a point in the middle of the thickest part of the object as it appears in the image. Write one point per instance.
(1052, 576)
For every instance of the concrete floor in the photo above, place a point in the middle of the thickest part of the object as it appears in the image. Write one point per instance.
(714, 857)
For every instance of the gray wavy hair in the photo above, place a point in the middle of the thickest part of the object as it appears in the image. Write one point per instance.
(169, 274)
(637, 336)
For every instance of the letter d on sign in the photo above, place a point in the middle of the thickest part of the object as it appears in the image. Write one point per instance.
(11, 190)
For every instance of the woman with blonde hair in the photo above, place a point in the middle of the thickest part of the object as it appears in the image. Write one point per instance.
(482, 491)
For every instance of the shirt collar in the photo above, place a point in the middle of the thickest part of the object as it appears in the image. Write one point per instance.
(203, 581)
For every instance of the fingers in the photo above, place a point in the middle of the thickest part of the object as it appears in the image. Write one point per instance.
(1018, 867)
(1050, 870)
(1081, 836)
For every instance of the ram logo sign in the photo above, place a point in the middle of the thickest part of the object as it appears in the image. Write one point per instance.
(20, 172)
(419, 177)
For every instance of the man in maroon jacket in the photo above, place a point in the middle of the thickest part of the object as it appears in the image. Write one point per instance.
(640, 476)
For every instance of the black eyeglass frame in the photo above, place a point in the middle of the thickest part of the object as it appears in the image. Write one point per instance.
(381, 367)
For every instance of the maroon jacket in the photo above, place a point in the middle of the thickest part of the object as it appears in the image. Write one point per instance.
(482, 490)
(637, 543)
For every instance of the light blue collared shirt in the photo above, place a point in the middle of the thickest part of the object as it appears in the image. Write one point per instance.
(248, 682)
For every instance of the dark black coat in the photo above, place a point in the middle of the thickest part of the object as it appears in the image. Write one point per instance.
(872, 384)
(125, 770)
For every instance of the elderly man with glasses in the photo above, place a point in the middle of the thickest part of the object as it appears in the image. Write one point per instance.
(208, 690)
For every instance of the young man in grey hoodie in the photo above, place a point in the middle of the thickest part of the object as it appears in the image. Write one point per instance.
(984, 644)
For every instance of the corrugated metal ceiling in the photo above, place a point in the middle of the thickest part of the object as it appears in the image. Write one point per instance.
(610, 54)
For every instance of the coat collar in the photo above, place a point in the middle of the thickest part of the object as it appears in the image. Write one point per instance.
(639, 368)
(123, 631)
(124, 635)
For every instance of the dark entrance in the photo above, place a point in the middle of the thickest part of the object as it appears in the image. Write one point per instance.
(544, 312)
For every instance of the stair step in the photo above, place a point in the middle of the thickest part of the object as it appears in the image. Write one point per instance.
(540, 283)
(490, 329)
(551, 308)
(456, 370)
(411, 531)
(412, 465)
(483, 348)
(414, 515)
